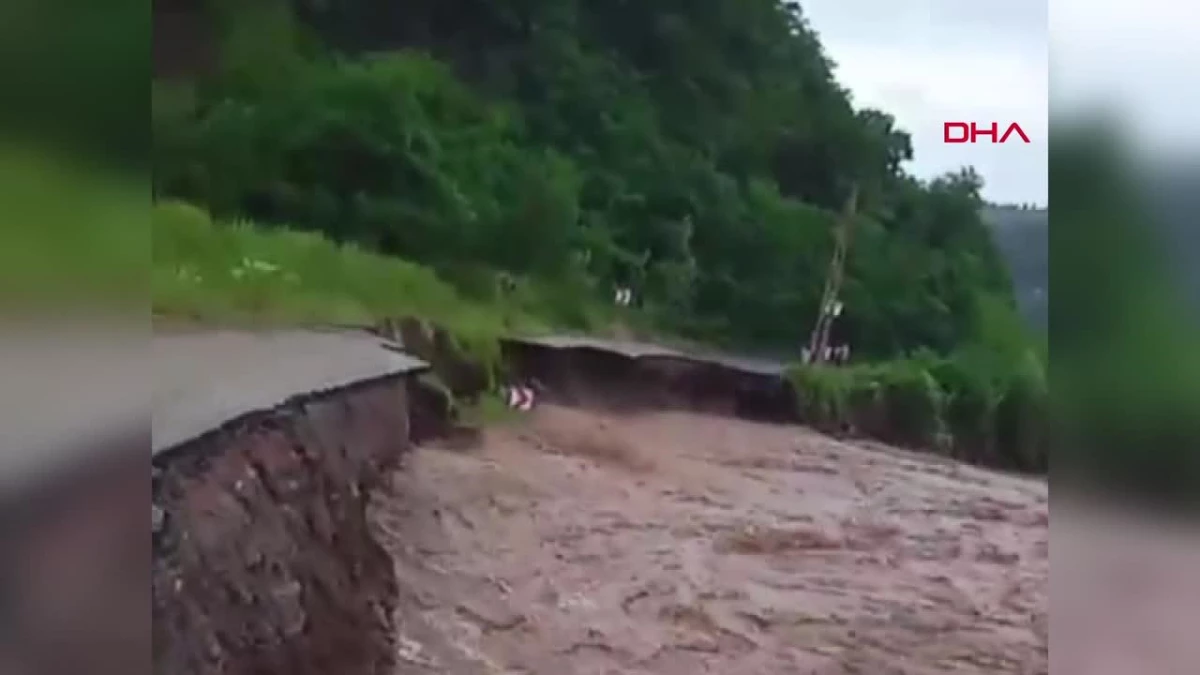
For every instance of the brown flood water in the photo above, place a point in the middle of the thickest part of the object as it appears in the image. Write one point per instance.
(575, 543)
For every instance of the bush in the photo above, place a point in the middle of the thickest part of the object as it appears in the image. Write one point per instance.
(839, 399)
(975, 405)
(897, 402)
(393, 153)
(1023, 418)
(914, 404)
(972, 397)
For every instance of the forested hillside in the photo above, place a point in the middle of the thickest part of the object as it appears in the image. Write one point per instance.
(696, 151)
(502, 164)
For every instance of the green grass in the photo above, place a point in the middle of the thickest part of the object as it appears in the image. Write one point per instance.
(239, 273)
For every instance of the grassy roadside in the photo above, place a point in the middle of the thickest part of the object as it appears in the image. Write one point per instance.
(214, 273)
(240, 274)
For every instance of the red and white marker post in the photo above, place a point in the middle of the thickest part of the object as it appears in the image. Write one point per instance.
(519, 398)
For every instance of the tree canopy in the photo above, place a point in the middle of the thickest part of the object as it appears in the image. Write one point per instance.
(696, 151)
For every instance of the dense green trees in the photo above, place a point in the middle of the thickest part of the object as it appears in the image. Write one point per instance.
(695, 150)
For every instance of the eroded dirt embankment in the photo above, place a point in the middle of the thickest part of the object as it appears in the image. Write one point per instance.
(599, 378)
(669, 542)
(265, 563)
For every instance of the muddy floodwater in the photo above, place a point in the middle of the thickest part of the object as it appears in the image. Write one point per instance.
(576, 543)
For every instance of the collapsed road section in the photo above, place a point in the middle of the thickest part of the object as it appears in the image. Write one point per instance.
(266, 447)
(625, 375)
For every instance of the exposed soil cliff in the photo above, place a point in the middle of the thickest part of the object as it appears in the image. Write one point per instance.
(264, 562)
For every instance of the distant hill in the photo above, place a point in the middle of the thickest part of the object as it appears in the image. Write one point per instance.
(1021, 234)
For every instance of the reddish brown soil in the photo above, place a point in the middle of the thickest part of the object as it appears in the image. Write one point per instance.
(671, 543)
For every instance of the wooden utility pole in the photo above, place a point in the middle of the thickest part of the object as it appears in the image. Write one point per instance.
(831, 306)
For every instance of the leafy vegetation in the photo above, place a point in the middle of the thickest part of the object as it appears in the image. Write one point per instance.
(206, 270)
(968, 406)
(535, 155)
(694, 152)
(243, 273)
